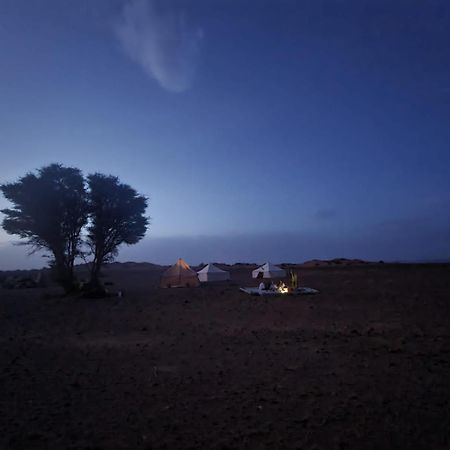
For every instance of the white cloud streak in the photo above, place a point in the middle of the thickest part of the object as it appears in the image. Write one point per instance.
(161, 42)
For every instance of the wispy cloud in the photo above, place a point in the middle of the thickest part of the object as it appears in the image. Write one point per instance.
(157, 36)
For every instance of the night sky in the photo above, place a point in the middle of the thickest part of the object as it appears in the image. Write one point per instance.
(259, 130)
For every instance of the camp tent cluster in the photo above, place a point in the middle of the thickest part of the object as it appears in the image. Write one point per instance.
(181, 275)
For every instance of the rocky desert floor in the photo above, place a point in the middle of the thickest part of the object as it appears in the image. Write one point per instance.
(363, 365)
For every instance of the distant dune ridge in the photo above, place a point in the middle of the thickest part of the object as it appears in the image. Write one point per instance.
(129, 265)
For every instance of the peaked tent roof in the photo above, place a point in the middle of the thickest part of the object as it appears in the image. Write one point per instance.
(180, 266)
(268, 267)
(180, 274)
(269, 270)
(211, 268)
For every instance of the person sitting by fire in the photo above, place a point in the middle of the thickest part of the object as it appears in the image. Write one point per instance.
(266, 286)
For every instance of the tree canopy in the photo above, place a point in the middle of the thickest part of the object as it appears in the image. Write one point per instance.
(49, 211)
(116, 216)
(52, 208)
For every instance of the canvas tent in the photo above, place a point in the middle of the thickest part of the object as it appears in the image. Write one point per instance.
(269, 270)
(213, 273)
(179, 275)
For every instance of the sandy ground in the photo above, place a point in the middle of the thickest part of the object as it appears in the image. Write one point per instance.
(363, 365)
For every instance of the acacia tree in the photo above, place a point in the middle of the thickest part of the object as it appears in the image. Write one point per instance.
(49, 211)
(116, 216)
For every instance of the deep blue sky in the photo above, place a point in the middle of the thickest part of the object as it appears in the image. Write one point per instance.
(281, 130)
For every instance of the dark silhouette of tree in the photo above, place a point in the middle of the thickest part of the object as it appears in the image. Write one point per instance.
(117, 216)
(49, 212)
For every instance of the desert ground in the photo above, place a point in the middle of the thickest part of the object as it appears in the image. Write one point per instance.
(363, 365)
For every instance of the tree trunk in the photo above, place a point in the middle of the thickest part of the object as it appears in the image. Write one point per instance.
(95, 275)
(64, 273)
(95, 271)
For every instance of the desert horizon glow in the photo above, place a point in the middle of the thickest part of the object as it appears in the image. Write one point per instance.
(278, 131)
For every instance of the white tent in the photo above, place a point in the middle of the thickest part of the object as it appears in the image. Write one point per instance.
(269, 270)
(213, 273)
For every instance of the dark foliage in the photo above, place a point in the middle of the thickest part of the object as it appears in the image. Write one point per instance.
(117, 216)
(49, 212)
